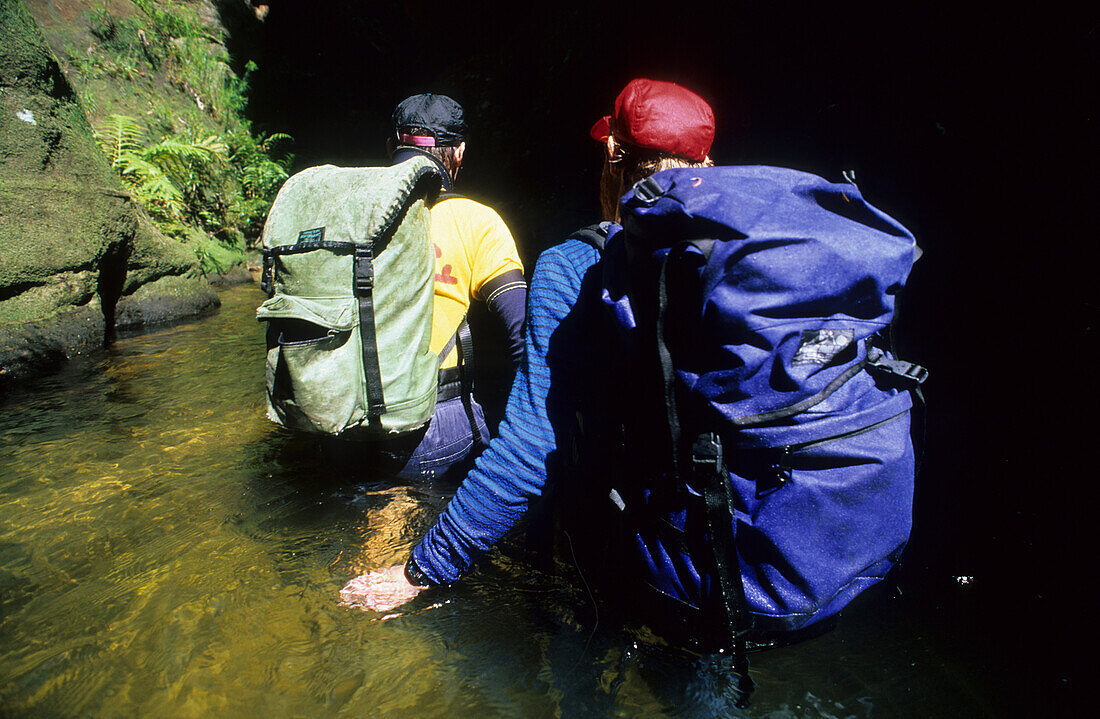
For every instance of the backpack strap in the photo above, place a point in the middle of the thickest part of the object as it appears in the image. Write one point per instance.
(267, 274)
(364, 292)
(458, 381)
(450, 379)
(404, 152)
(595, 235)
(465, 342)
(449, 346)
(363, 263)
(708, 471)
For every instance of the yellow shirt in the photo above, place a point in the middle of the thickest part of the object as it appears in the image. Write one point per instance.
(472, 246)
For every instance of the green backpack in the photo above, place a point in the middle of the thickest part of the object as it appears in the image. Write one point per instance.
(349, 269)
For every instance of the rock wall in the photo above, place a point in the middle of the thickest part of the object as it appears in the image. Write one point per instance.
(77, 258)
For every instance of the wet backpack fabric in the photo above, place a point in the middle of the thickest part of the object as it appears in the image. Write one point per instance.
(766, 472)
(349, 267)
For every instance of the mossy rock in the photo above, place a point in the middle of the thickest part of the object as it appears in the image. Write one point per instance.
(165, 300)
(76, 256)
(34, 348)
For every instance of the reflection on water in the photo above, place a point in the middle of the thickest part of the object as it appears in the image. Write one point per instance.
(166, 551)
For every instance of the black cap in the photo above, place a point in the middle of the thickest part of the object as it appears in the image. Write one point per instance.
(438, 114)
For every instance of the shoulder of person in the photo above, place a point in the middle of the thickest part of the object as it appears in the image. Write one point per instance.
(471, 209)
(455, 200)
(586, 240)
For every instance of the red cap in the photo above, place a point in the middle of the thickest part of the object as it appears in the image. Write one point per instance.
(657, 115)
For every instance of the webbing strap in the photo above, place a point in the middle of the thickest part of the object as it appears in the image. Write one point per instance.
(708, 466)
(450, 379)
(664, 356)
(799, 407)
(668, 375)
(309, 246)
(595, 235)
(465, 342)
(364, 291)
(708, 470)
(448, 347)
(457, 381)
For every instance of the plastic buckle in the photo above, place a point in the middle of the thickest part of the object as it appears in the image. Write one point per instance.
(706, 452)
(364, 270)
(915, 372)
(267, 274)
(364, 284)
(897, 368)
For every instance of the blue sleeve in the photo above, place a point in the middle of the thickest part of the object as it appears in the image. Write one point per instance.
(513, 470)
(506, 296)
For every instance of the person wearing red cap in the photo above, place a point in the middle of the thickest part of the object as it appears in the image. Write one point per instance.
(655, 125)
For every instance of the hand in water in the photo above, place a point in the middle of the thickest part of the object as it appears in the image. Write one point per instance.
(380, 590)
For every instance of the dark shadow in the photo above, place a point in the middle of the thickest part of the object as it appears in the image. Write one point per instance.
(112, 276)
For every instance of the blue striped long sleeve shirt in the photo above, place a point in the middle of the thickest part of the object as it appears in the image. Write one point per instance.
(513, 470)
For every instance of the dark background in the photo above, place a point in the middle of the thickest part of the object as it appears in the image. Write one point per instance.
(975, 128)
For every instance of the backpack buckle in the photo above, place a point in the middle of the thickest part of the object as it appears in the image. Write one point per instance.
(706, 453)
(267, 274)
(901, 369)
(364, 270)
(648, 191)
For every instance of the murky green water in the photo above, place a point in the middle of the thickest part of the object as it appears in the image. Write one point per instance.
(165, 551)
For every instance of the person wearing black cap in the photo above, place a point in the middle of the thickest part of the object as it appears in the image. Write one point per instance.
(476, 258)
(655, 125)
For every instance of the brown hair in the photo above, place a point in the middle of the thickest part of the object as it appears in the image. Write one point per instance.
(444, 154)
(630, 165)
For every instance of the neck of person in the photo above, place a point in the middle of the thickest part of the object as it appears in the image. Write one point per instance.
(404, 152)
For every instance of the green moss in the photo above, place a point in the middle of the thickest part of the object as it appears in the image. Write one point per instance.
(165, 66)
(38, 302)
(167, 299)
(77, 251)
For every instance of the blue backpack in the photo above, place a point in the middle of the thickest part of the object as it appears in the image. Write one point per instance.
(766, 470)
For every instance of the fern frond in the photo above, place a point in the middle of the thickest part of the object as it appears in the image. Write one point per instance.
(134, 166)
(151, 185)
(118, 135)
(215, 145)
(268, 143)
(173, 150)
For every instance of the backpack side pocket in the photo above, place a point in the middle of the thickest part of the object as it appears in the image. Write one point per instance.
(314, 363)
(856, 487)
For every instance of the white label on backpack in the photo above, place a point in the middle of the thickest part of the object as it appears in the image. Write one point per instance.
(821, 346)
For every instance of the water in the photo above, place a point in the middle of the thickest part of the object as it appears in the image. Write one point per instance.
(166, 551)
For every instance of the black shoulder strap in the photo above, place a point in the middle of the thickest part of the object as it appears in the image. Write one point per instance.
(595, 235)
(458, 381)
(404, 152)
(448, 195)
(465, 342)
